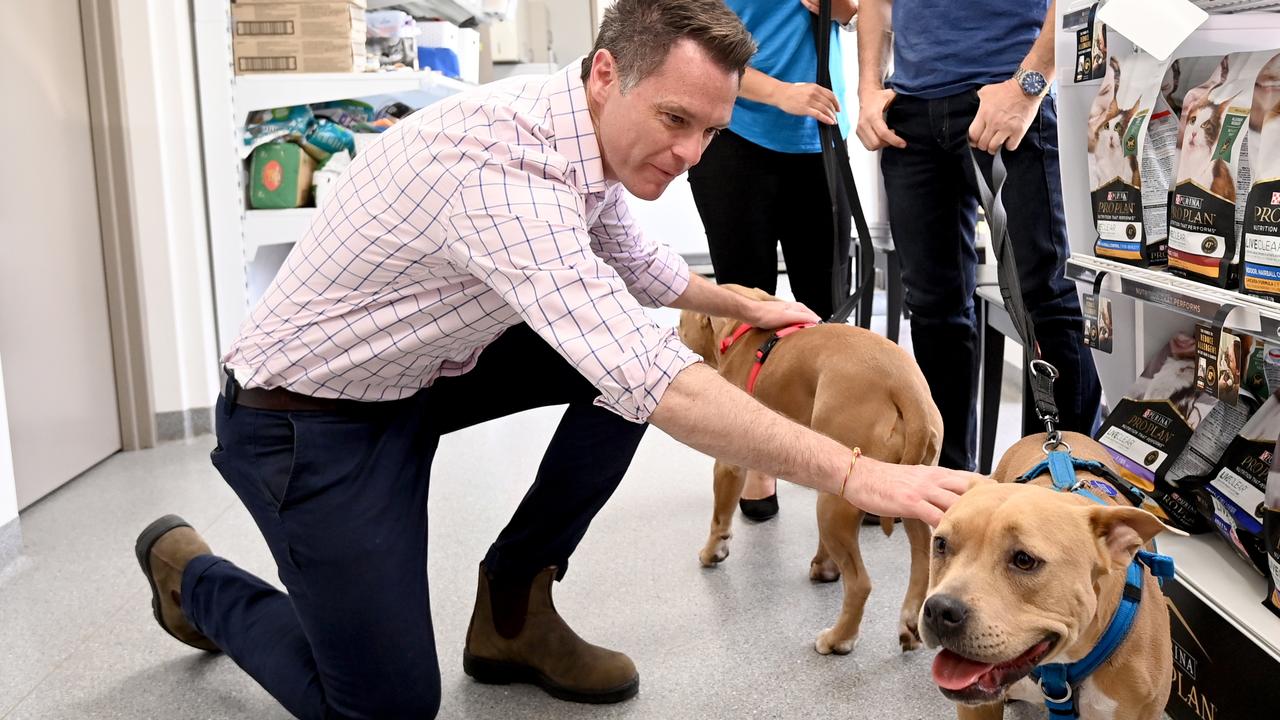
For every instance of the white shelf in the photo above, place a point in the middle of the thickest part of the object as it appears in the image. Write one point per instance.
(274, 227)
(1158, 287)
(272, 90)
(1222, 580)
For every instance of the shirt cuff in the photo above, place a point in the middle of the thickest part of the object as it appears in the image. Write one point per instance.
(648, 385)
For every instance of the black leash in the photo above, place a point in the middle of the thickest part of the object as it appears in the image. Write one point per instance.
(1040, 373)
(835, 161)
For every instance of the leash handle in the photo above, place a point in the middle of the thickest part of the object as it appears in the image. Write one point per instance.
(1040, 373)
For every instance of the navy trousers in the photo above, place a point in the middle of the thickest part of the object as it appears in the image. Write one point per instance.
(341, 499)
(933, 205)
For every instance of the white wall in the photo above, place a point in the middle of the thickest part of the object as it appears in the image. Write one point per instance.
(8, 485)
(160, 92)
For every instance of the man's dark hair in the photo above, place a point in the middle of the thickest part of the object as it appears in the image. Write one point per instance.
(639, 33)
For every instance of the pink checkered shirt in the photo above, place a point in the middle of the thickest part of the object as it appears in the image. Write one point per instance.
(478, 213)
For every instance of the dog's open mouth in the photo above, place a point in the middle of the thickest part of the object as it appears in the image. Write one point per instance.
(966, 680)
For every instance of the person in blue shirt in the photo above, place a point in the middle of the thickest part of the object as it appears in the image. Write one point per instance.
(972, 74)
(761, 182)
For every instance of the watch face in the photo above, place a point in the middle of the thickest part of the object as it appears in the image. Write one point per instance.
(1032, 82)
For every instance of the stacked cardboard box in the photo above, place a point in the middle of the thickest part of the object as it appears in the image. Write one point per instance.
(299, 36)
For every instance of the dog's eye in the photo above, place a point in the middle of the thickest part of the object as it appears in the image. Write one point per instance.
(939, 545)
(1024, 561)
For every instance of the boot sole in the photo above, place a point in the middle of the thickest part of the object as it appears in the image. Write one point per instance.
(497, 672)
(142, 550)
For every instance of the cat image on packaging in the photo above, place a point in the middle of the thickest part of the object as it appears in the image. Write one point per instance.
(1206, 211)
(1261, 276)
(1128, 175)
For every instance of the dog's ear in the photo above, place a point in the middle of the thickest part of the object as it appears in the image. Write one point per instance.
(1123, 530)
(698, 334)
(977, 481)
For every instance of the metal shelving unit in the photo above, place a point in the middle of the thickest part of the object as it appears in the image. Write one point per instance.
(237, 235)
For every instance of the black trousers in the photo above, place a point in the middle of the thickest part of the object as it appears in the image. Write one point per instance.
(932, 211)
(751, 199)
(341, 499)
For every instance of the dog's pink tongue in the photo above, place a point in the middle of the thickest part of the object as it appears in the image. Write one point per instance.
(953, 672)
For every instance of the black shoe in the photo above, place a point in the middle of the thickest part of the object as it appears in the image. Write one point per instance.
(759, 510)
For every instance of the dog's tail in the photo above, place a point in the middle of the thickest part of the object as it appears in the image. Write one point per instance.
(919, 424)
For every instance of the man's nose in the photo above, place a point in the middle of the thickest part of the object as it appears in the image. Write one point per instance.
(689, 151)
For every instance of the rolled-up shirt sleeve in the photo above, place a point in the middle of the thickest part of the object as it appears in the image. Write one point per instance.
(523, 235)
(654, 272)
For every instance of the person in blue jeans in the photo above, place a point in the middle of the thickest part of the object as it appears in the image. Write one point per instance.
(972, 74)
(761, 182)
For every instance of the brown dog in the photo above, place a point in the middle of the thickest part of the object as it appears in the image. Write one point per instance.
(1023, 575)
(851, 385)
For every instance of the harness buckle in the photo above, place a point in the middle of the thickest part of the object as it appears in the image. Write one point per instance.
(1062, 699)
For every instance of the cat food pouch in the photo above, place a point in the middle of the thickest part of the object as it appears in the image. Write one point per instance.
(1261, 275)
(1150, 428)
(1129, 166)
(1239, 485)
(1206, 212)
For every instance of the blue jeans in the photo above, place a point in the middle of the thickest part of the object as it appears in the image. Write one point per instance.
(341, 498)
(933, 205)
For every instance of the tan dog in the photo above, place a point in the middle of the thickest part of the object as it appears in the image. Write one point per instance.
(851, 385)
(1023, 575)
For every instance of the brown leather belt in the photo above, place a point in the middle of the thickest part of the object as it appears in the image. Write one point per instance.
(282, 400)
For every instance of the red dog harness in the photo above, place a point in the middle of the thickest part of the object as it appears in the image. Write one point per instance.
(762, 353)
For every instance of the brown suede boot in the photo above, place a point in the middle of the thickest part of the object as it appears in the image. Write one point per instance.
(164, 548)
(516, 635)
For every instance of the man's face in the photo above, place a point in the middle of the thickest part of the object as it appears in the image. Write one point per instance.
(659, 128)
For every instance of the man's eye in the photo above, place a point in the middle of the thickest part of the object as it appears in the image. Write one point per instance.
(674, 119)
(712, 132)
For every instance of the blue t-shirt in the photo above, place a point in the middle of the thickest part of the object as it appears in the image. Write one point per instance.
(945, 47)
(783, 30)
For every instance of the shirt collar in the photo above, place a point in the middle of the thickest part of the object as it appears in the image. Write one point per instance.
(575, 136)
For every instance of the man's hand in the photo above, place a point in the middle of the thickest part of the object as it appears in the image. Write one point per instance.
(806, 100)
(913, 491)
(842, 11)
(1004, 114)
(772, 314)
(872, 130)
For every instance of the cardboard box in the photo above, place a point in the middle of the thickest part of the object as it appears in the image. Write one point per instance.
(280, 176)
(298, 37)
(1218, 673)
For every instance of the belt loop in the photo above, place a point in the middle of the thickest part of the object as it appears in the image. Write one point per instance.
(231, 391)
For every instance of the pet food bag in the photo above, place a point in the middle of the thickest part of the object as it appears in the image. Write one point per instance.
(1206, 212)
(1261, 275)
(1271, 531)
(1131, 153)
(1151, 427)
(1239, 486)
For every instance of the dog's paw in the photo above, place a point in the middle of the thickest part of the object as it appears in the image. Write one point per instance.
(828, 644)
(714, 553)
(909, 639)
(824, 572)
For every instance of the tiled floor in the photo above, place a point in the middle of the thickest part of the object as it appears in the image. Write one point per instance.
(77, 639)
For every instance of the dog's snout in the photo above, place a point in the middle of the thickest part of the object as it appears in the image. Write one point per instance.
(946, 614)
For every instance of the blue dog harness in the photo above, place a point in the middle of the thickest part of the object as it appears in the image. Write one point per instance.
(1060, 682)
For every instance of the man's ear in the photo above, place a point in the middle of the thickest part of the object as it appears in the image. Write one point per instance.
(604, 72)
(1123, 530)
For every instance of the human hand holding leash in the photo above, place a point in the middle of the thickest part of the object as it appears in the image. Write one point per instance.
(842, 11)
(806, 100)
(918, 491)
(1004, 114)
